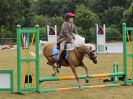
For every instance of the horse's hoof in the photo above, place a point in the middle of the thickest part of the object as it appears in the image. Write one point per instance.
(58, 71)
(53, 75)
(81, 88)
(87, 80)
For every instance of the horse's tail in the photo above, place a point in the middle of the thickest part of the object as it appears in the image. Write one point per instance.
(41, 45)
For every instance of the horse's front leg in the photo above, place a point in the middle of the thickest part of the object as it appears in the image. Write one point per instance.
(76, 76)
(87, 73)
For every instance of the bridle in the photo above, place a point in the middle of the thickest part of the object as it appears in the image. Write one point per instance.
(90, 56)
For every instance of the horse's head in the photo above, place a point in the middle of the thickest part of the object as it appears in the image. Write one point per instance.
(90, 49)
(91, 52)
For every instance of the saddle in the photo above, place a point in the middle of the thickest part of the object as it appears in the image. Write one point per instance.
(64, 55)
(55, 51)
(64, 52)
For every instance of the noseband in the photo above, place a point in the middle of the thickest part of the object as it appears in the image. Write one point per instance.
(92, 58)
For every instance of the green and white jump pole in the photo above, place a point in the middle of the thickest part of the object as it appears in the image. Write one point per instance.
(77, 88)
(115, 74)
(83, 76)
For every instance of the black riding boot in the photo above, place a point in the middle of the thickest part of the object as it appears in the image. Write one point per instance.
(58, 64)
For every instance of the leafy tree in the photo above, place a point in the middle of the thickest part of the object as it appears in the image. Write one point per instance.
(49, 7)
(8, 13)
(56, 21)
(128, 15)
(113, 33)
(121, 3)
(13, 12)
(70, 5)
(103, 8)
(41, 20)
(85, 19)
(98, 6)
(26, 13)
(113, 16)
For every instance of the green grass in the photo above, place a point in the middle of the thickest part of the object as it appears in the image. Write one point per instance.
(105, 65)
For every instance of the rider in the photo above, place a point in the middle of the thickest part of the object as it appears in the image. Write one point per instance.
(66, 34)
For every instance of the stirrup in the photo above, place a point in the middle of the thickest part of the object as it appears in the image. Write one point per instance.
(58, 64)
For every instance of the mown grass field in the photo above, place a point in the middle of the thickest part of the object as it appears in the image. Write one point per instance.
(105, 65)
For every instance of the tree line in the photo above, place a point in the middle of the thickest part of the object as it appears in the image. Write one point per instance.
(27, 13)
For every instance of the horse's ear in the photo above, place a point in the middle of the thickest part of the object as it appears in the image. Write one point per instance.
(90, 48)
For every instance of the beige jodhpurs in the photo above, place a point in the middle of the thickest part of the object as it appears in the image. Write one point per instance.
(62, 44)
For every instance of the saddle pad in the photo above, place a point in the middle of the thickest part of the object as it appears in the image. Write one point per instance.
(55, 53)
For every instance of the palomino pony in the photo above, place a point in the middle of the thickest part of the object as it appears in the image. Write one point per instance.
(75, 56)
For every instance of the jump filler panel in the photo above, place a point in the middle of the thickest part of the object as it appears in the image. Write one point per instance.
(6, 80)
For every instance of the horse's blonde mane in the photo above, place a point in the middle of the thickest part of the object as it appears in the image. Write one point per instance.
(79, 41)
(90, 46)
